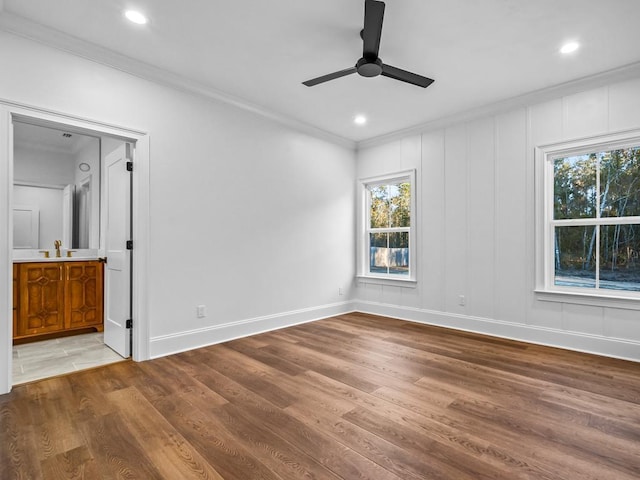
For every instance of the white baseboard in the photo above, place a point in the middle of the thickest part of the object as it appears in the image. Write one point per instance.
(580, 342)
(611, 347)
(179, 342)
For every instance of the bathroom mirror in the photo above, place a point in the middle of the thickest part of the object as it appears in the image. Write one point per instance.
(56, 188)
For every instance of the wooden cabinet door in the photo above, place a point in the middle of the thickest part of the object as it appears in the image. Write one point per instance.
(40, 308)
(83, 294)
(15, 299)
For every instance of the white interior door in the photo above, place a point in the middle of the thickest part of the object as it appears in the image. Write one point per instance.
(118, 268)
(67, 215)
(26, 226)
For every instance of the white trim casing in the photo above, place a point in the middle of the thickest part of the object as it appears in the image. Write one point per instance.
(363, 253)
(12, 110)
(545, 288)
(6, 243)
(141, 217)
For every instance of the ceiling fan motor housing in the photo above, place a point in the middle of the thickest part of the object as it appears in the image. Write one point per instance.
(369, 67)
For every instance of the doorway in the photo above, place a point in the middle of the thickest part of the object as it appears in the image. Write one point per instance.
(59, 176)
(136, 147)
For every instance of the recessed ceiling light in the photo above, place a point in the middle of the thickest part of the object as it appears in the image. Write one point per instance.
(570, 47)
(135, 17)
(360, 120)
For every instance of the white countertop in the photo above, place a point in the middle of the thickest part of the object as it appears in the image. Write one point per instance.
(54, 259)
(28, 256)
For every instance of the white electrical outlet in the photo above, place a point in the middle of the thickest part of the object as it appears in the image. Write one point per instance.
(201, 311)
(340, 292)
(461, 300)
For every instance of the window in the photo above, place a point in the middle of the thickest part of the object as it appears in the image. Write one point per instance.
(389, 228)
(591, 225)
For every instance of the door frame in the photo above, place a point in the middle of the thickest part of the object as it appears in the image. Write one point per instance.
(10, 111)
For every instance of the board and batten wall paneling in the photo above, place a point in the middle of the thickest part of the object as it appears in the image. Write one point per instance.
(431, 234)
(411, 156)
(376, 161)
(455, 219)
(511, 246)
(480, 262)
(585, 114)
(545, 126)
(624, 105)
(622, 324)
(477, 235)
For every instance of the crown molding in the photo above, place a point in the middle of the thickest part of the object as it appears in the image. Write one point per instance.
(620, 74)
(22, 27)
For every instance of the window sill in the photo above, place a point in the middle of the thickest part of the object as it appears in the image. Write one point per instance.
(399, 282)
(583, 298)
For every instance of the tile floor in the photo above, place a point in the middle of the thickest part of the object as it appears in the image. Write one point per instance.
(34, 361)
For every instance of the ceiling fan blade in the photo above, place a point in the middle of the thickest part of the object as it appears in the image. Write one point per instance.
(373, 15)
(331, 76)
(404, 76)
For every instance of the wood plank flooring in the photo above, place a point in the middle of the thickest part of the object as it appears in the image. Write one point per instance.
(351, 397)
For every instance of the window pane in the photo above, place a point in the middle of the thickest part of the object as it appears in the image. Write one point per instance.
(619, 257)
(389, 253)
(620, 182)
(400, 204)
(379, 253)
(390, 205)
(575, 250)
(379, 211)
(399, 253)
(574, 187)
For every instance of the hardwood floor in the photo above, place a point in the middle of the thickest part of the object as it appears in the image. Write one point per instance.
(352, 397)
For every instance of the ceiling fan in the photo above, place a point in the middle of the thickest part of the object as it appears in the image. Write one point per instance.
(370, 65)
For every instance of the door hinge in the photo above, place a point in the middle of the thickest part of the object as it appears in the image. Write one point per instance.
(129, 244)
(129, 323)
(129, 166)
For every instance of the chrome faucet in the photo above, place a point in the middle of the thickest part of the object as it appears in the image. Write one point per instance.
(57, 244)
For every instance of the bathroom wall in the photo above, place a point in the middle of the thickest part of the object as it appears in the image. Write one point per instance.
(49, 203)
(476, 223)
(89, 154)
(47, 167)
(44, 166)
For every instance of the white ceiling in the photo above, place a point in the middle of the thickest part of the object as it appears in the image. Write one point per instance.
(479, 52)
(48, 139)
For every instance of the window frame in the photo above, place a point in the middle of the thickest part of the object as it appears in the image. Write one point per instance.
(364, 256)
(544, 157)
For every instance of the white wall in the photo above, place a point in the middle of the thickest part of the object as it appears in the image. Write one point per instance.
(251, 218)
(476, 224)
(89, 153)
(47, 167)
(256, 220)
(49, 202)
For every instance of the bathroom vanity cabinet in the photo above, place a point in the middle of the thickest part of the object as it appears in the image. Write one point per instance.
(53, 296)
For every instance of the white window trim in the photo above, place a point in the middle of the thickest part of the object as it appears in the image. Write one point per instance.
(544, 254)
(363, 257)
